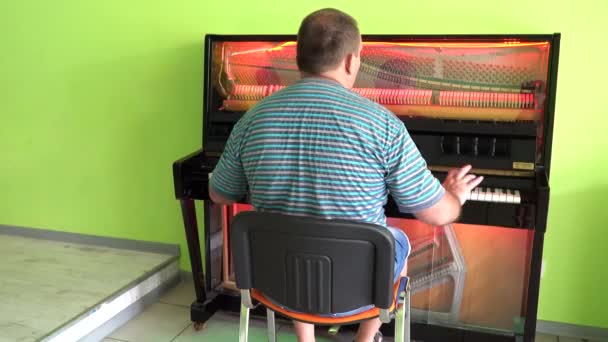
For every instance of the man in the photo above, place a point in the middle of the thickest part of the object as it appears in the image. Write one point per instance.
(316, 148)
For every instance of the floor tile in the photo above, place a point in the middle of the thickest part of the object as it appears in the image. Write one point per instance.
(158, 323)
(224, 327)
(545, 338)
(183, 294)
(569, 339)
(286, 333)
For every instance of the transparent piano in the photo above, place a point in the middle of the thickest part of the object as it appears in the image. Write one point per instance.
(481, 100)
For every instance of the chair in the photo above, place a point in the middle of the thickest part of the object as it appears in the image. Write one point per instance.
(307, 268)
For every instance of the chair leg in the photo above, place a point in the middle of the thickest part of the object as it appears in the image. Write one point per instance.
(402, 319)
(244, 326)
(333, 330)
(407, 311)
(272, 328)
(400, 324)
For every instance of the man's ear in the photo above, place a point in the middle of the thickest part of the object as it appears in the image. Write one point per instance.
(348, 63)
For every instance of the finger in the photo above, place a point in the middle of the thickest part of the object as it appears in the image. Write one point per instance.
(468, 178)
(475, 182)
(463, 171)
(451, 173)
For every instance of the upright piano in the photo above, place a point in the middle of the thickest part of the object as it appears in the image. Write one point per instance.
(484, 100)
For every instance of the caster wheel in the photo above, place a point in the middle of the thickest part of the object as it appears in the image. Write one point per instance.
(198, 326)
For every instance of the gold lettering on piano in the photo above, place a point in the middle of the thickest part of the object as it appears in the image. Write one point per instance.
(523, 166)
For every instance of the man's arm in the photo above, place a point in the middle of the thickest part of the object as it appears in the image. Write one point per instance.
(446, 211)
(218, 198)
(228, 182)
(417, 191)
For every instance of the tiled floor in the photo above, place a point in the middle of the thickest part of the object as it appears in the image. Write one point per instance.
(169, 321)
(52, 282)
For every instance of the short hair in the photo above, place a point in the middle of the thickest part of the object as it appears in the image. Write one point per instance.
(325, 38)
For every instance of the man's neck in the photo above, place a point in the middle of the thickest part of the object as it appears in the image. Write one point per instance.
(330, 75)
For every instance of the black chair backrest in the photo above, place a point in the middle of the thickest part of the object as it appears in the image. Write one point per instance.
(313, 265)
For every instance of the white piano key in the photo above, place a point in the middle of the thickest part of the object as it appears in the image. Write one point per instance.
(494, 196)
(503, 196)
(517, 196)
(489, 194)
(510, 196)
(475, 194)
(482, 195)
(479, 194)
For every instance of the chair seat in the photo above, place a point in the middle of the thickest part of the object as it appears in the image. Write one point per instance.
(321, 320)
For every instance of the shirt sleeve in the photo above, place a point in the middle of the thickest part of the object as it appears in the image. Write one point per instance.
(228, 178)
(409, 181)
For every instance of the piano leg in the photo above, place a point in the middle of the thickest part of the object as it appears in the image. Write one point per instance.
(202, 308)
(534, 287)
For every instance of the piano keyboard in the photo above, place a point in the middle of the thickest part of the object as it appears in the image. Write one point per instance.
(495, 195)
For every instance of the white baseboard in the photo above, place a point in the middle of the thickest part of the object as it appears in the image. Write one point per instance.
(572, 330)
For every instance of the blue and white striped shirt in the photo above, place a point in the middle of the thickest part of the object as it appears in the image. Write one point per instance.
(316, 148)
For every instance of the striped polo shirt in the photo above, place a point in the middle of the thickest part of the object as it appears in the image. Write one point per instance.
(319, 149)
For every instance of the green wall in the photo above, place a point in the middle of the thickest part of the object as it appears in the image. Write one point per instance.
(98, 99)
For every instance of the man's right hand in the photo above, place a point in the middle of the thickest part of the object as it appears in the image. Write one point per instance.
(458, 185)
(459, 182)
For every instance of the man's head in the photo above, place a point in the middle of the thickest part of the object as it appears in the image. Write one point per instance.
(329, 44)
